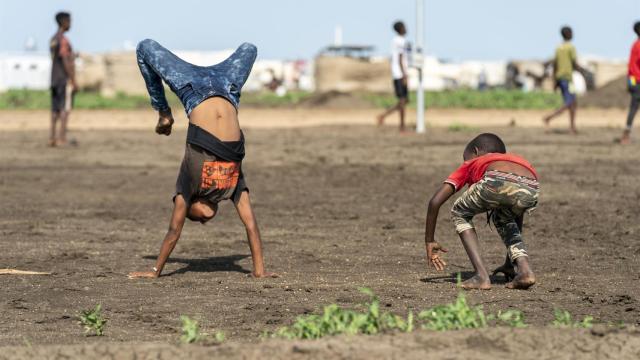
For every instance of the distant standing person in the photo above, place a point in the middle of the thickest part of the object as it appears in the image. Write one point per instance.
(564, 63)
(634, 85)
(63, 80)
(400, 48)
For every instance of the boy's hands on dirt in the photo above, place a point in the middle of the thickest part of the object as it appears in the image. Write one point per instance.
(165, 121)
(142, 275)
(432, 255)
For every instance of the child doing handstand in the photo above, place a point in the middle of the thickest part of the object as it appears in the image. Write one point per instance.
(211, 169)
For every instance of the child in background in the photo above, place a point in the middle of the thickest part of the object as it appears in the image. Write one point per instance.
(634, 85)
(400, 49)
(506, 186)
(564, 63)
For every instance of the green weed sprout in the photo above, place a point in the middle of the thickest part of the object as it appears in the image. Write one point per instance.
(191, 332)
(335, 320)
(92, 320)
(562, 318)
(454, 316)
(512, 318)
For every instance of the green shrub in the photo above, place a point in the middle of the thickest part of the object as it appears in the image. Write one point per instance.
(92, 320)
(335, 320)
(562, 318)
(191, 332)
(512, 318)
(454, 316)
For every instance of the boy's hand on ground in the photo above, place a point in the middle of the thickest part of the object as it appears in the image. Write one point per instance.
(432, 255)
(165, 121)
(142, 275)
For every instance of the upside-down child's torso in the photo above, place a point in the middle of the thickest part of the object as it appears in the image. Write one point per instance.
(217, 116)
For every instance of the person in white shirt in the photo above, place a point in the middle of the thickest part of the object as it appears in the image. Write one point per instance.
(400, 48)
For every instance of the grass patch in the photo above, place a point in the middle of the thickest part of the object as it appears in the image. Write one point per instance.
(563, 318)
(93, 321)
(474, 99)
(466, 99)
(453, 316)
(459, 127)
(335, 320)
(270, 99)
(191, 332)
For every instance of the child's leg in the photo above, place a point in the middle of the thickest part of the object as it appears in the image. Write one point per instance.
(509, 227)
(156, 64)
(633, 109)
(237, 67)
(481, 278)
(507, 268)
(470, 203)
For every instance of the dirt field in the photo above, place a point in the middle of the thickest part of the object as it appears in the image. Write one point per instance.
(339, 207)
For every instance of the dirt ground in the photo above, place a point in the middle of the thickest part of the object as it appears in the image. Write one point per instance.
(339, 207)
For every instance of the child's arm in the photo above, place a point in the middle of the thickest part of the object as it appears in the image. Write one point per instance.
(439, 198)
(243, 206)
(170, 239)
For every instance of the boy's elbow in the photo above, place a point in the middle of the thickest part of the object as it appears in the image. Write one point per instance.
(434, 204)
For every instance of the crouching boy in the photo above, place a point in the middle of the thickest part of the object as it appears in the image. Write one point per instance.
(503, 185)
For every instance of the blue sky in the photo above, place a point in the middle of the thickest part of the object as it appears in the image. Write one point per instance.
(455, 29)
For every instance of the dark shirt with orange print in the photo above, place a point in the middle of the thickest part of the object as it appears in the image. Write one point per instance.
(204, 176)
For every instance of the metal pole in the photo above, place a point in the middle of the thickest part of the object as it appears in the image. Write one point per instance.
(419, 63)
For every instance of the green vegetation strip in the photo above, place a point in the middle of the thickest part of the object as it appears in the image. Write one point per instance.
(466, 99)
(457, 315)
(368, 320)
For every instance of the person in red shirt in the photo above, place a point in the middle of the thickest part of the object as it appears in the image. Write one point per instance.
(634, 85)
(503, 185)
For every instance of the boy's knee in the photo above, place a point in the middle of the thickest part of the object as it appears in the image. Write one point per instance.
(461, 221)
(249, 48)
(145, 45)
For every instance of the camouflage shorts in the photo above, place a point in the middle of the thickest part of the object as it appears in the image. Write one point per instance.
(506, 197)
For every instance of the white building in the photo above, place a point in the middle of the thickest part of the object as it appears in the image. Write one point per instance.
(27, 70)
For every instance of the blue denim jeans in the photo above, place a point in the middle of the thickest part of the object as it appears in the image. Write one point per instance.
(193, 84)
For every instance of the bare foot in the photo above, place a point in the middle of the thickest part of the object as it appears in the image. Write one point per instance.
(265, 275)
(624, 140)
(507, 270)
(476, 282)
(573, 131)
(546, 120)
(51, 143)
(522, 281)
(142, 275)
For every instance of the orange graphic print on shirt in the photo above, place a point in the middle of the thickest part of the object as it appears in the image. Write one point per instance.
(220, 175)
